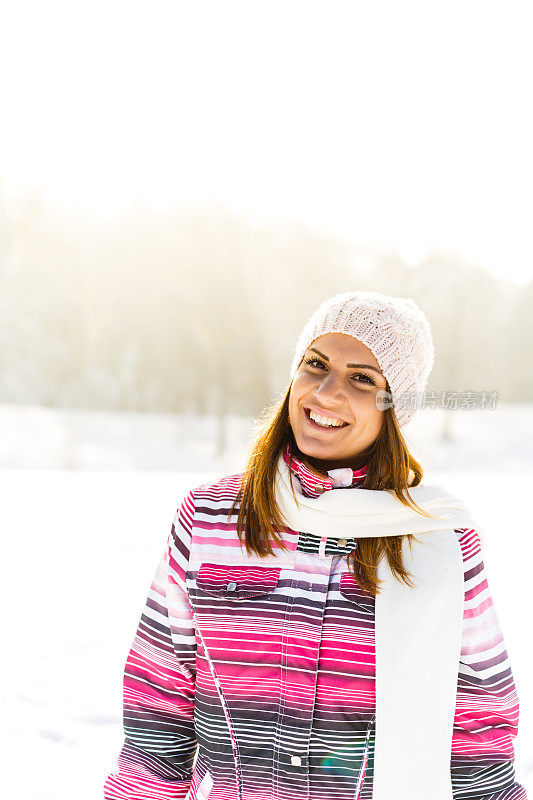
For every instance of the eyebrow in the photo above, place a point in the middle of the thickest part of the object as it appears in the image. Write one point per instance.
(366, 366)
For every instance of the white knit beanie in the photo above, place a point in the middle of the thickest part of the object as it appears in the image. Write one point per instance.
(395, 329)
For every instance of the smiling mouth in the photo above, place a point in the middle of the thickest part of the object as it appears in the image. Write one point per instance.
(319, 427)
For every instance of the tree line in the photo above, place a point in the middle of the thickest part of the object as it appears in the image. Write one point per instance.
(198, 309)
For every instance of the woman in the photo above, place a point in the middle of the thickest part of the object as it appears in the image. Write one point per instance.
(320, 626)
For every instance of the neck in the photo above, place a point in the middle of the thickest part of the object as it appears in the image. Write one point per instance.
(321, 467)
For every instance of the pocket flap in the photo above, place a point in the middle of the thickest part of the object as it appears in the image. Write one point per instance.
(237, 581)
(351, 590)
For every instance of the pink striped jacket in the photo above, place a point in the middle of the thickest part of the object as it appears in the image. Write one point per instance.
(254, 679)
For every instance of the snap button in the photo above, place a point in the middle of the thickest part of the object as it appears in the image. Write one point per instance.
(342, 542)
(296, 761)
(231, 586)
(319, 488)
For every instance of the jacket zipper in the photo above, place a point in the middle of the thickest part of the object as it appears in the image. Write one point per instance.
(229, 723)
(362, 771)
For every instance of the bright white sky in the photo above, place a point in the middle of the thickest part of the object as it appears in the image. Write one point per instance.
(401, 125)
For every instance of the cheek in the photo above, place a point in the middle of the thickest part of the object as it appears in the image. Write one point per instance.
(294, 398)
(364, 407)
(366, 397)
(300, 386)
(373, 416)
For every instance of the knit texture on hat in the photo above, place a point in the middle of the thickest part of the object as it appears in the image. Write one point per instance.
(395, 329)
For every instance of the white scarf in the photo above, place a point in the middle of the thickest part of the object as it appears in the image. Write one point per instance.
(418, 630)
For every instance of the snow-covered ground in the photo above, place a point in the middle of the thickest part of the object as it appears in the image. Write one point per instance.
(87, 502)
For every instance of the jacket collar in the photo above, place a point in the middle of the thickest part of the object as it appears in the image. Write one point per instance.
(345, 477)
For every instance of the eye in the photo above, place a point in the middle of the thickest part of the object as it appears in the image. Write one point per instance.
(312, 361)
(367, 379)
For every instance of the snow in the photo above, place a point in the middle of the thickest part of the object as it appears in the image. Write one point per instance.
(88, 499)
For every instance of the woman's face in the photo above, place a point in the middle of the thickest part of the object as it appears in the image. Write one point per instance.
(340, 380)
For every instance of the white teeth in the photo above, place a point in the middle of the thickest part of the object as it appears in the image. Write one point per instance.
(324, 420)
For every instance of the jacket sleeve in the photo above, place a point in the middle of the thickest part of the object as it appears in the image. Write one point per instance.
(486, 717)
(156, 758)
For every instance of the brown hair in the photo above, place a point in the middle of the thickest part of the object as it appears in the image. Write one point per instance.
(389, 465)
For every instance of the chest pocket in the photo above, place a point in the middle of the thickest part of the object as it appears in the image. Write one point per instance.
(352, 591)
(237, 581)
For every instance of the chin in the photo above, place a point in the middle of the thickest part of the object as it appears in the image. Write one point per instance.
(316, 449)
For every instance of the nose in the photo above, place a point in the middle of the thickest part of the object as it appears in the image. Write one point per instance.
(331, 386)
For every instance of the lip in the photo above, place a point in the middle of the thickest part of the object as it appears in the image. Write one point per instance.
(322, 427)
